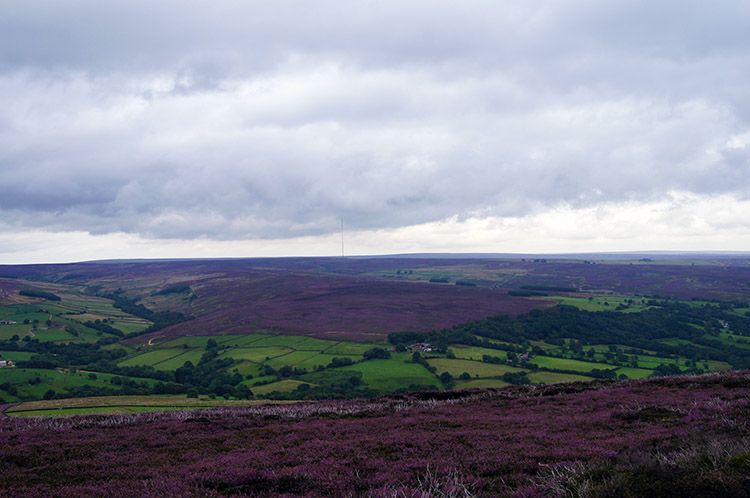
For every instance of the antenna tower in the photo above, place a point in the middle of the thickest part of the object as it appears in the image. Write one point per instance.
(342, 236)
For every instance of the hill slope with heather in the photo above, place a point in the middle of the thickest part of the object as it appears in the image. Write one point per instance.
(365, 298)
(666, 437)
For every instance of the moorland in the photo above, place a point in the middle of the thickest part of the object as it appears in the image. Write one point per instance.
(377, 377)
(330, 328)
(666, 437)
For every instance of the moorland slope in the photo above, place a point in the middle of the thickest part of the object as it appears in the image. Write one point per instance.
(669, 437)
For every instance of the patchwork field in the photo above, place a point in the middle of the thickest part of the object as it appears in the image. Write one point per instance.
(274, 325)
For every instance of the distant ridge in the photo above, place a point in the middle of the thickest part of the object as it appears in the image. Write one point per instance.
(579, 255)
(601, 256)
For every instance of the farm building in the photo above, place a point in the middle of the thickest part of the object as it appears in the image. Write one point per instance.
(421, 346)
(7, 322)
(6, 363)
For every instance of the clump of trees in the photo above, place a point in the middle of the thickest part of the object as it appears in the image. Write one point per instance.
(41, 294)
(376, 353)
(174, 289)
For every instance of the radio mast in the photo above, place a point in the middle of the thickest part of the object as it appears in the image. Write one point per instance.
(342, 236)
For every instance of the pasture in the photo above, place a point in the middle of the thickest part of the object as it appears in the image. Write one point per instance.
(473, 368)
(475, 352)
(36, 382)
(392, 374)
(566, 364)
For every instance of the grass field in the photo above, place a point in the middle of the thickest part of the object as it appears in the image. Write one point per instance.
(293, 359)
(732, 340)
(392, 374)
(476, 353)
(473, 368)
(566, 364)
(281, 386)
(19, 329)
(597, 302)
(72, 312)
(151, 358)
(176, 362)
(58, 381)
(257, 355)
(15, 355)
(323, 359)
(351, 348)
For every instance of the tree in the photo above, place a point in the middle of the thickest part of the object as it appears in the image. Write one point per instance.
(49, 394)
(376, 353)
(244, 392)
(447, 379)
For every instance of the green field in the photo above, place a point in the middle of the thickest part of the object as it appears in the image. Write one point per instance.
(473, 368)
(8, 331)
(257, 355)
(281, 386)
(565, 364)
(58, 381)
(732, 340)
(392, 374)
(252, 353)
(597, 303)
(280, 340)
(67, 313)
(151, 358)
(293, 359)
(323, 359)
(15, 355)
(476, 353)
(350, 348)
(176, 362)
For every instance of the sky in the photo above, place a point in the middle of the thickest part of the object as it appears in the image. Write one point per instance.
(178, 129)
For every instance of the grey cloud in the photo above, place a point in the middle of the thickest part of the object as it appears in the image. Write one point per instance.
(173, 119)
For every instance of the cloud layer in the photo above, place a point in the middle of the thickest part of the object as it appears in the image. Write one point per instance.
(270, 120)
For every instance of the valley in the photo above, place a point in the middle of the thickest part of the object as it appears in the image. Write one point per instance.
(302, 329)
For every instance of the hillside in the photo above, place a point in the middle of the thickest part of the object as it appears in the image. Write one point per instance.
(332, 328)
(665, 437)
(366, 298)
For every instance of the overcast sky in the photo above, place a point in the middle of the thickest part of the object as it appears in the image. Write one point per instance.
(246, 128)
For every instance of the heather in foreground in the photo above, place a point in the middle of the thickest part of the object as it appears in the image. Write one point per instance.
(685, 436)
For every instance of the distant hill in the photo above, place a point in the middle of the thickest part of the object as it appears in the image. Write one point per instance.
(366, 298)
